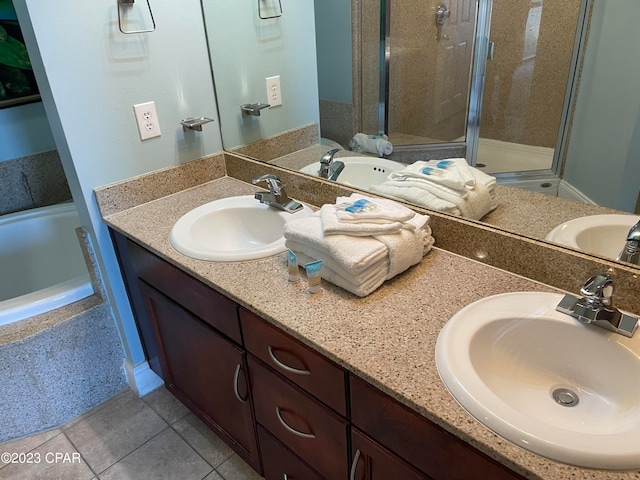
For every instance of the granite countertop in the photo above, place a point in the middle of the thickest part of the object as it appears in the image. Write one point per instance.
(388, 338)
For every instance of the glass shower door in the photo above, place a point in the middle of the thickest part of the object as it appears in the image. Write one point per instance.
(525, 83)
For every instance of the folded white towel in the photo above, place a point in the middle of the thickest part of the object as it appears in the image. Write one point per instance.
(401, 190)
(373, 144)
(451, 173)
(381, 267)
(379, 210)
(405, 250)
(354, 255)
(359, 288)
(332, 226)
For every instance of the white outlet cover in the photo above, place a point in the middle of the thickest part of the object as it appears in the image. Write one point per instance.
(147, 120)
(274, 93)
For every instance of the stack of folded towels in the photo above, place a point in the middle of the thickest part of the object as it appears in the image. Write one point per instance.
(361, 241)
(450, 186)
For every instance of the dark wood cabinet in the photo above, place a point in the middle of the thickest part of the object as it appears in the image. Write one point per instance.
(205, 371)
(417, 440)
(192, 335)
(254, 385)
(308, 428)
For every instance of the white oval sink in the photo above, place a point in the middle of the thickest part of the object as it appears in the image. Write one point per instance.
(503, 358)
(232, 229)
(603, 235)
(360, 172)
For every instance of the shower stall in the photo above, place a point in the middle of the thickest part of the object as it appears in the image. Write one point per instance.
(492, 77)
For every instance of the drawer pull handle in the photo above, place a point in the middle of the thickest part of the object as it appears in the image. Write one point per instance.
(292, 430)
(236, 377)
(354, 465)
(286, 368)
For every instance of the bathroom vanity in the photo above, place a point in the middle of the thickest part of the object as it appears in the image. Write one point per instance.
(256, 385)
(315, 386)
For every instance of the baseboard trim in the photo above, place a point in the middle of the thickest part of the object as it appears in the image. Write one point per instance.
(141, 378)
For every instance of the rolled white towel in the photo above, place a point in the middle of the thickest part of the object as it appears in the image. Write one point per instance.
(383, 210)
(353, 254)
(373, 144)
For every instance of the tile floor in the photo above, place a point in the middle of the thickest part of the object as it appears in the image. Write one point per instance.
(127, 438)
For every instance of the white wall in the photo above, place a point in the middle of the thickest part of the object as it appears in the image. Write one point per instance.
(603, 157)
(90, 75)
(246, 50)
(24, 130)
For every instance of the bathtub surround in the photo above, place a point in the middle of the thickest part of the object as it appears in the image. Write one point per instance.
(32, 181)
(58, 373)
(60, 364)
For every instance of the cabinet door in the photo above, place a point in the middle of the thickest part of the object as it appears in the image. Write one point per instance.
(206, 372)
(371, 461)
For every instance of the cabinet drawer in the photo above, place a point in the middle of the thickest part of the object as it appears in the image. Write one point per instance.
(313, 432)
(278, 462)
(371, 461)
(309, 370)
(422, 443)
(201, 300)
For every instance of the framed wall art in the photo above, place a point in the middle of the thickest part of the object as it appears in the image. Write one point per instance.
(17, 81)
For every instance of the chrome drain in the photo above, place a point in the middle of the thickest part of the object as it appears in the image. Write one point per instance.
(565, 397)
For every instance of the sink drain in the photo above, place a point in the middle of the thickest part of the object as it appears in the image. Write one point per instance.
(565, 397)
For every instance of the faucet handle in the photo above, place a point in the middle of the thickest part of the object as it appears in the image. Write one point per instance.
(327, 158)
(274, 182)
(598, 289)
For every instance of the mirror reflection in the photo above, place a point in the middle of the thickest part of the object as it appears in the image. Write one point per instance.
(407, 78)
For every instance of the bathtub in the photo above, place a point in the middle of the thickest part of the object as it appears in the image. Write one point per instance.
(41, 262)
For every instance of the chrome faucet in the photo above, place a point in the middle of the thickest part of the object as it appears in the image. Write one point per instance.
(631, 251)
(276, 197)
(596, 306)
(329, 168)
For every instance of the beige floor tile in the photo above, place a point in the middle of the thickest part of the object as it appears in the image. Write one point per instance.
(164, 457)
(26, 444)
(213, 476)
(55, 459)
(166, 405)
(114, 431)
(203, 440)
(237, 469)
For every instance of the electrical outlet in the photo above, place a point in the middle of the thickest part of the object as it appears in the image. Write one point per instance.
(274, 95)
(147, 120)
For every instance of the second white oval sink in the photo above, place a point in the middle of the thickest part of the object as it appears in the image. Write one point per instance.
(603, 235)
(545, 381)
(360, 172)
(232, 229)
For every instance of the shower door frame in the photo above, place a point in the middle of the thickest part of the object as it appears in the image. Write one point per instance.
(478, 71)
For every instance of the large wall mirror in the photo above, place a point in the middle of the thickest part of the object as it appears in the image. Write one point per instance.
(537, 93)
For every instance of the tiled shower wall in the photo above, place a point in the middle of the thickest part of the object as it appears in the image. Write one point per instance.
(416, 93)
(32, 181)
